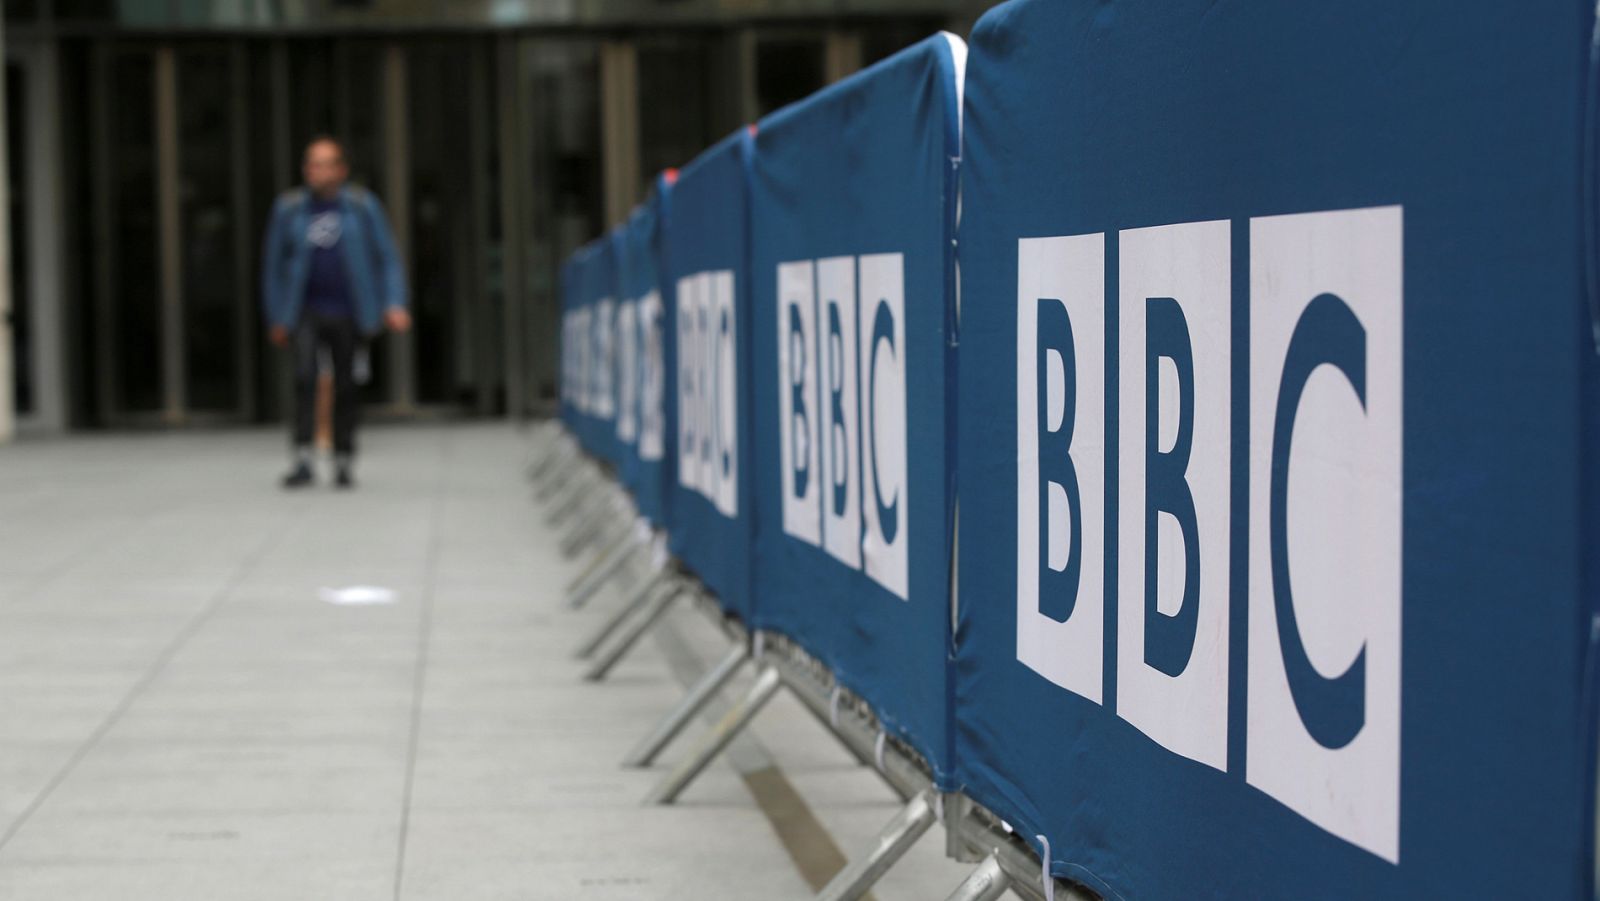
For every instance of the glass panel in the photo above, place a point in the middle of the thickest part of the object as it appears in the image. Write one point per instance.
(566, 138)
(79, 252)
(336, 87)
(359, 110)
(135, 231)
(310, 100)
(566, 200)
(21, 11)
(85, 10)
(17, 186)
(677, 102)
(358, 117)
(788, 69)
(150, 13)
(267, 148)
(881, 41)
(206, 226)
(442, 226)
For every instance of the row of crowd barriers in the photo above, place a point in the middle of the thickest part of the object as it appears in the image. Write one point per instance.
(1258, 342)
(601, 528)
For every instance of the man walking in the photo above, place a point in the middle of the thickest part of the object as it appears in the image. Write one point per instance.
(330, 279)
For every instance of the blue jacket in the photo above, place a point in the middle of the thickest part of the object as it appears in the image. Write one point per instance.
(377, 279)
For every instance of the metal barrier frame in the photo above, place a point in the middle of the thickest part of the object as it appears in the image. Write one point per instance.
(583, 503)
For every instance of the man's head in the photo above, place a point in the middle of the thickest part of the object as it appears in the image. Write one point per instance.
(324, 167)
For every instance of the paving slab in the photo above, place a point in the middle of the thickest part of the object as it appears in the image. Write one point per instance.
(183, 717)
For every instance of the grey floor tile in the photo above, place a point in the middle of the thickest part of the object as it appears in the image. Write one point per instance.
(182, 717)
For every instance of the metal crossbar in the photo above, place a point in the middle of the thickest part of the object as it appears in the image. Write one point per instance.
(972, 834)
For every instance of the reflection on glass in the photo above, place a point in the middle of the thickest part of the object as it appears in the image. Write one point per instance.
(210, 273)
(442, 227)
(138, 276)
(677, 96)
(17, 182)
(565, 184)
(268, 152)
(788, 69)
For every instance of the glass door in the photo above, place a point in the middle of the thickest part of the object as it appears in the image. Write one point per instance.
(215, 290)
(16, 194)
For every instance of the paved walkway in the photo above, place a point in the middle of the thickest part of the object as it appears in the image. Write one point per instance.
(181, 716)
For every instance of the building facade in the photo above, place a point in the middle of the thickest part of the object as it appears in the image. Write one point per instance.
(147, 140)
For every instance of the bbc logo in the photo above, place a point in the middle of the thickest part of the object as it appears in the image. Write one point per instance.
(842, 411)
(708, 383)
(590, 358)
(641, 376)
(1323, 536)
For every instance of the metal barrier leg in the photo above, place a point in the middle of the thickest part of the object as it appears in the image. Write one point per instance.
(571, 474)
(570, 499)
(585, 527)
(587, 568)
(578, 601)
(894, 841)
(638, 599)
(540, 446)
(605, 563)
(956, 809)
(576, 512)
(713, 742)
(545, 459)
(549, 483)
(646, 751)
(815, 699)
(630, 637)
(591, 535)
(986, 883)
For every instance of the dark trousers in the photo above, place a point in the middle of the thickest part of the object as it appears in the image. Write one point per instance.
(337, 336)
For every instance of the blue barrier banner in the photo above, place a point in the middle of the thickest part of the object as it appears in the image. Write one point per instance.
(642, 329)
(575, 348)
(1278, 406)
(571, 358)
(585, 278)
(852, 221)
(598, 291)
(705, 257)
